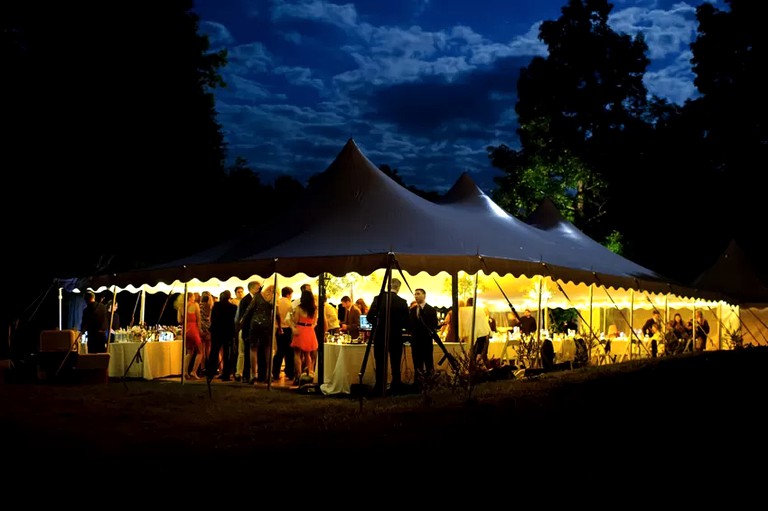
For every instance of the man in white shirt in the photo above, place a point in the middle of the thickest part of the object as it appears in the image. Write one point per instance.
(283, 350)
(482, 329)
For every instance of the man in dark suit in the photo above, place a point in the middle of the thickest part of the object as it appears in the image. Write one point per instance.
(243, 321)
(95, 323)
(351, 323)
(396, 312)
(527, 323)
(422, 323)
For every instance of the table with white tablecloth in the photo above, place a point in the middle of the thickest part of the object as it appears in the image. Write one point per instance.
(158, 359)
(343, 362)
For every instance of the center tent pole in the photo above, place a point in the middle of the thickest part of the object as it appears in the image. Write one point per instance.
(184, 332)
(473, 355)
(274, 330)
(320, 332)
(538, 325)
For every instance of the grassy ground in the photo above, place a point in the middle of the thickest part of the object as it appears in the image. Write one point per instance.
(668, 407)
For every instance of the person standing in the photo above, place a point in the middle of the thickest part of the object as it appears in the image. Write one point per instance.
(482, 330)
(422, 324)
(243, 322)
(388, 314)
(239, 294)
(447, 328)
(222, 337)
(262, 321)
(283, 351)
(206, 306)
(527, 323)
(351, 324)
(95, 323)
(700, 329)
(303, 320)
(655, 319)
(650, 328)
(113, 319)
(332, 324)
(193, 357)
(362, 306)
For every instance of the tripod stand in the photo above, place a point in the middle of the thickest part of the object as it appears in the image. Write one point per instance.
(136, 358)
(69, 352)
(384, 303)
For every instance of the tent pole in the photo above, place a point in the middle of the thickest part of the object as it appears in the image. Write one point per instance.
(473, 355)
(591, 301)
(455, 305)
(632, 321)
(720, 326)
(112, 313)
(387, 327)
(539, 324)
(61, 299)
(319, 370)
(184, 333)
(274, 330)
(143, 305)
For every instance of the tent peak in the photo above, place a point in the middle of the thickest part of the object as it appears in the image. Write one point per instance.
(546, 215)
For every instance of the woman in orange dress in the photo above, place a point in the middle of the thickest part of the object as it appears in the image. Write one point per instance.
(303, 321)
(193, 341)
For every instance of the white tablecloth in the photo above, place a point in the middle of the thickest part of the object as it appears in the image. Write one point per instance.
(158, 359)
(343, 362)
(565, 349)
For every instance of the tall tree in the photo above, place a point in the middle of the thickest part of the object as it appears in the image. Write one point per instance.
(111, 144)
(730, 118)
(580, 110)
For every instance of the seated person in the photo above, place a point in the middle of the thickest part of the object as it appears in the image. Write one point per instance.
(581, 358)
(547, 355)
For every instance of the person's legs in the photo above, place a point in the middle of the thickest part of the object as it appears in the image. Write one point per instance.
(429, 356)
(240, 354)
(247, 359)
(253, 362)
(263, 373)
(395, 358)
(279, 356)
(284, 345)
(212, 363)
(380, 365)
(419, 362)
(297, 360)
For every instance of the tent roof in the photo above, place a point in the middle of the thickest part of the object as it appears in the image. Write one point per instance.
(354, 218)
(575, 250)
(734, 274)
(548, 218)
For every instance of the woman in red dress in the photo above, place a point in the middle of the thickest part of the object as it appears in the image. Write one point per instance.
(193, 341)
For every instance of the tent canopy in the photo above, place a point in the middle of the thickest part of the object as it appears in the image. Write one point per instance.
(354, 218)
(734, 275)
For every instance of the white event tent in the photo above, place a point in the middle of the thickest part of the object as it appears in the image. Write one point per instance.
(354, 220)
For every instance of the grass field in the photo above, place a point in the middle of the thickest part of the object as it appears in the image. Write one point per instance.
(677, 408)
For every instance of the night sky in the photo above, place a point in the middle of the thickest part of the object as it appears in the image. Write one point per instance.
(424, 86)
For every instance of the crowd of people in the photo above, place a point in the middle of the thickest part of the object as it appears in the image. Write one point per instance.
(231, 337)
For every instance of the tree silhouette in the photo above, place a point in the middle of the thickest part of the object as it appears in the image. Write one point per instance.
(110, 141)
(581, 111)
(729, 119)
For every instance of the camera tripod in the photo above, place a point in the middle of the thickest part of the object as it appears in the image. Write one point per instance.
(384, 301)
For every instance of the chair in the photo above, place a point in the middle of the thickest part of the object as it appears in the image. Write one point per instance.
(514, 344)
(619, 350)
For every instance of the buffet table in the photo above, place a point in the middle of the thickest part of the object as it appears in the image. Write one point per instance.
(158, 359)
(342, 364)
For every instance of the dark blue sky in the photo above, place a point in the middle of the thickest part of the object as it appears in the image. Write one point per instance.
(423, 86)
